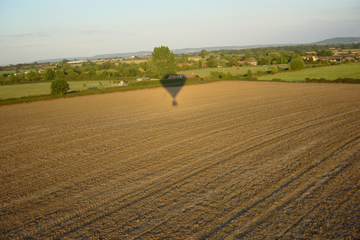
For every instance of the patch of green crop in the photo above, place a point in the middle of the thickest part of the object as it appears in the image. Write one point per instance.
(351, 70)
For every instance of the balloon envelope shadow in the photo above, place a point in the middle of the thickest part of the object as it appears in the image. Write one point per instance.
(173, 86)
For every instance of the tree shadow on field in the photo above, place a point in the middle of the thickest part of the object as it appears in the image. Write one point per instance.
(173, 84)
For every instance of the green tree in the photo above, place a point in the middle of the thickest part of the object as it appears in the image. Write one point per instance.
(325, 53)
(250, 73)
(71, 74)
(163, 61)
(247, 55)
(33, 76)
(274, 69)
(272, 56)
(12, 78)
(184, 58)
(83, 75)
(144, 65)
(233, 62)
(263, 61)
(203, 53)
(212, 63)
(211, 56)
(49, 74)
(224, 62)
(92, 73)
(63, 62)
(104, 74)
(59, 73)
(105, 65)
(2, 79)
(59, 86)
(296, 63)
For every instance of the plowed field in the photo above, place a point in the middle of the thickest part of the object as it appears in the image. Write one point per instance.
(232, 160)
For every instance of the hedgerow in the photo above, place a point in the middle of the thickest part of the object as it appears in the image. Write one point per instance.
(338, 80)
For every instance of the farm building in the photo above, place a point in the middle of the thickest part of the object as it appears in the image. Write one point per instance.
(76, 61)
(143, 79)
(251, 61)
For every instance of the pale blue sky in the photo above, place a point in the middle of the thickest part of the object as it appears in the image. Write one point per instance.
(32, 30)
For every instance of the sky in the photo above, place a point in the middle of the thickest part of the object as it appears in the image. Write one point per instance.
(32, 30)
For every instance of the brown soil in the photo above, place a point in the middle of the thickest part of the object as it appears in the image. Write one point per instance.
(232, 160)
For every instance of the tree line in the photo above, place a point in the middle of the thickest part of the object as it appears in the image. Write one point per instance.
(165, 62)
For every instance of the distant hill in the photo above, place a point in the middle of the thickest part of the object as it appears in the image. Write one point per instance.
(343, 40)
(176, 51)
(183, 50)
(190, 50)
(129, 54)
(338, 40)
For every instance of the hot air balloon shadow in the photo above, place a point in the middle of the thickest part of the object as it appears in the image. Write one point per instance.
(173, 86)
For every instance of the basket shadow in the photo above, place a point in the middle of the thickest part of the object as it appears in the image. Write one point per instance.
(173, 86)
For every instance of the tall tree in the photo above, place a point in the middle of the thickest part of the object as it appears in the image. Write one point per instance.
(272, 57)
(212, 63)
(203, 53)
(249, 73)
(63, 62)
(184, 58)
(163, 61)
(233, 62)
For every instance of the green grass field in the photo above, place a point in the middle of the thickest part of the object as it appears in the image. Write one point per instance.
(330, 73)
(233, 70)
(14, 71)
(351, 70)
(33, 89)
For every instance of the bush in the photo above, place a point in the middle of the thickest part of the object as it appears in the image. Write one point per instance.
(215, 74)
(274, 69)
(338, 80)
(59, 86)
(224, 76)
(249, 74)
(296, 63)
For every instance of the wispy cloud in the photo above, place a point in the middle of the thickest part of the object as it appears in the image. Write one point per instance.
(66, 33)
(341, 11)
(23, 35)
(27, 35)
(34, 45)
(42, 34)
(107, 32)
